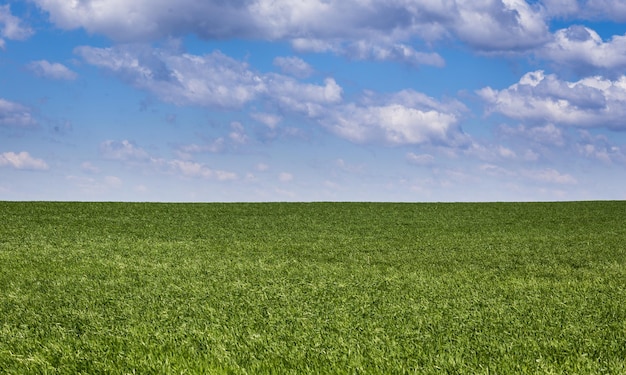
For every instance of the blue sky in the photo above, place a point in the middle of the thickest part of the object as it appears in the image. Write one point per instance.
(312, 100)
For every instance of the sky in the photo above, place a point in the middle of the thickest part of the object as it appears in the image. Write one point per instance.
(312, 100)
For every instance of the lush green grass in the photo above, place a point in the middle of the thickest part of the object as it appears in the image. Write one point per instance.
(313, 288)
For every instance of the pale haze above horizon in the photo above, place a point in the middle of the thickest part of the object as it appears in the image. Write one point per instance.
(312, 100)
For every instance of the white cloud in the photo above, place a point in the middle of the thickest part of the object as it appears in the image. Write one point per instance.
(22, 160)
(197, 170)
(592, 101)
(14, 114)
(499, 25)
(420, 159)
(581, 48)
(269, 119)
(293, 66)
(212, 80)
(399, 52)
(506, 152)
(308, 99)
(600, 148)
(46, 69)
(403, 118)
(238, 134)
(548, 134)
(215, 80)
(393, 124)
(128, 152)
(122, 150)
(87, 167)
(367, 49)
(315, 45)
(319, 25)
(215, 146)
(549, 175)
(11, 27)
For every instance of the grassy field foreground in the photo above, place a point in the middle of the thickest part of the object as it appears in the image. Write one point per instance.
(313, 288)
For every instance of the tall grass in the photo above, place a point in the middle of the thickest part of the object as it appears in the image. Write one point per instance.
(341, 288)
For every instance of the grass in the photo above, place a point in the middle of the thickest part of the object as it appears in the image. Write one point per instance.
(346, 288)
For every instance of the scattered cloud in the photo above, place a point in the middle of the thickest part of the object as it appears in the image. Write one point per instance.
(238, 133)
(549, 175)
(43, 68)
(317, 25)
(88, 167)
(213, 80)
(420, 159)
(215, 146)
(11, 27)
(548, 134)
(22, 161)
(14, 114)
(590, 102)
(404, 118)
(122, 150)
(599, 147)
(128, 152)
(583, 50)
(293, 66)
(268, 119)
(195, 170)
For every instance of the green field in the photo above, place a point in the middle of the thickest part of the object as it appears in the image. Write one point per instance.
(345, 288)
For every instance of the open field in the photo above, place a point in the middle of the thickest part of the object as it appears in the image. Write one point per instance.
(313, 288)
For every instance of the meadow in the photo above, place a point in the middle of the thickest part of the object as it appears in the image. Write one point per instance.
(313, 288)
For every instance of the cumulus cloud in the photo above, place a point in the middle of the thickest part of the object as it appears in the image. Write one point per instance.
(212, 80)
(215, 80)
(196, 170)
(319, 25)
(407, 117)
(46, 69)
(599, 147)
(268, 119)
(293, 66)
(548, 134)
(379, 50)
(591, 102)
(507, 25)
(582, 49)
(14, 114)
(306, 98)
(122, 150)
(11, 27)
(22, 161)
(128, 152)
